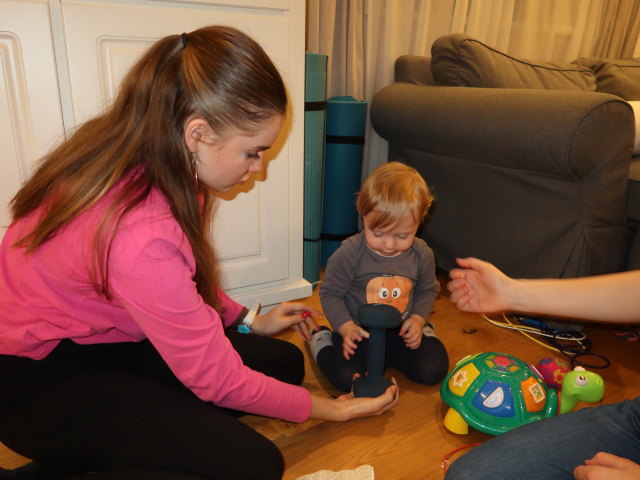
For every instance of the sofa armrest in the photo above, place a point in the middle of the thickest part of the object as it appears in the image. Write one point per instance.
(551, 132)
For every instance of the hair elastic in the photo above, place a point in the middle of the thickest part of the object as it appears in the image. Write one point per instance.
(183, 37)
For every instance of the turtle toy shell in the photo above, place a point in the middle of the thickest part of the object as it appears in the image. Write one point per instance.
(496, 392)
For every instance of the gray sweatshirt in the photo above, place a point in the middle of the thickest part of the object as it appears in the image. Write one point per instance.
(355, 275)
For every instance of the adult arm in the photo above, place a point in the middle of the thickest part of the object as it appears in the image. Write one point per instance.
(151, 274)
(480, 287)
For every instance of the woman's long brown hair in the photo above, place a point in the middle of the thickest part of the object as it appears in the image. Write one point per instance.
(217, 73)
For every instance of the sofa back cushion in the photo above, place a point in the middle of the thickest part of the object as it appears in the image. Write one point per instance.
(619, 77)
(459, 60)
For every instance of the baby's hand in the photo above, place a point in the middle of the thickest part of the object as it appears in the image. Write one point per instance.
(411, 331)
(351, 333)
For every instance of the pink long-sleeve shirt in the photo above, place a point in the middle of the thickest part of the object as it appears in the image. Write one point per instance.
(47, 295)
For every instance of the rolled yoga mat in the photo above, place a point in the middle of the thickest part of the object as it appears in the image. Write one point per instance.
(346, 121)
(315, 106)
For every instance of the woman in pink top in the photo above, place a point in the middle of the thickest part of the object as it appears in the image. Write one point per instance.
(119, 354)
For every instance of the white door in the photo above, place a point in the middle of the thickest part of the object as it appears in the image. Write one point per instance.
(30, 111)
(253, 231)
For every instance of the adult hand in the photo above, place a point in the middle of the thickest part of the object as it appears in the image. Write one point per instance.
(347, 407)
(351, 333)
(411, 331)
(296, 315)
(479, 286)
(605, 466)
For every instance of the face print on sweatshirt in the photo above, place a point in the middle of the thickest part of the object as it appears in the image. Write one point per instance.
(390, 290)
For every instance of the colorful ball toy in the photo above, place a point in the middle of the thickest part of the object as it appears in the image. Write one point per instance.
(553, 371)
(496, 392)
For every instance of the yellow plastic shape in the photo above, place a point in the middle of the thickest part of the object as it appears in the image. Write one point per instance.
(462, 379)
(454, 422)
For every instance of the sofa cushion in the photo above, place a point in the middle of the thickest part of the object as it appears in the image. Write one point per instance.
(619, 77)
(459, 60)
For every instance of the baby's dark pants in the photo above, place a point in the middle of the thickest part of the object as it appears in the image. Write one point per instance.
(427, 364)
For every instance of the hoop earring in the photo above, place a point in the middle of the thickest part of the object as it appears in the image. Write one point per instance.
(194, 164)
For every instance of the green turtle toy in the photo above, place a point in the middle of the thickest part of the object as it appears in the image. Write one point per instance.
(496, 392)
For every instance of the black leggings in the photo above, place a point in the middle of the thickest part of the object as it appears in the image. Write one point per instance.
(118, 411)
(428, 364)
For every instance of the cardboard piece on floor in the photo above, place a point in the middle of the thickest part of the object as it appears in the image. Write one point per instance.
(363, 472)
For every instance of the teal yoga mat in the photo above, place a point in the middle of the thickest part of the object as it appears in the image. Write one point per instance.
(315, 98)
(346, 121)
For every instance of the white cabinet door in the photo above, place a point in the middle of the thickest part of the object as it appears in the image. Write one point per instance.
(258, 227)
(30, 111)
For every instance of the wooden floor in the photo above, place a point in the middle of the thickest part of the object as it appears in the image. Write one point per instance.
(410, 441)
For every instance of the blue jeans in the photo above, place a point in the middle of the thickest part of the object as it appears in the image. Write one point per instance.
(552, 448)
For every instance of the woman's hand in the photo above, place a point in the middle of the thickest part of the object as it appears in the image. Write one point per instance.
(479, 287)
(346, 406)
(296, 315)
(351, 333)
(605, 466)
(411, 331)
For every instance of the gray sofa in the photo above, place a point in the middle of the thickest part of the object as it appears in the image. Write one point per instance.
(529, 162)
